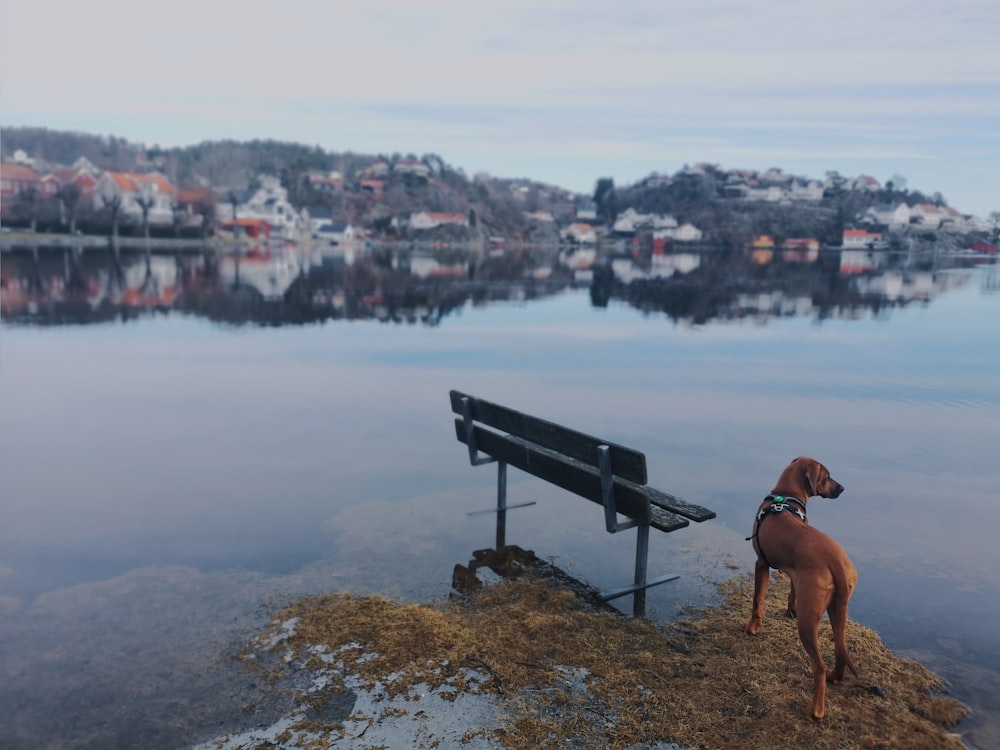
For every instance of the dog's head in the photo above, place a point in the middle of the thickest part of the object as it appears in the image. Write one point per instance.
(814, 477)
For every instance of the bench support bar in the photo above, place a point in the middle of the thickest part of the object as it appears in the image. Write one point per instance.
(608, 494)
(639, 589)
(501, 489)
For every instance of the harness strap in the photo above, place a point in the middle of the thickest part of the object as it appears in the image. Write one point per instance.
(779, 503)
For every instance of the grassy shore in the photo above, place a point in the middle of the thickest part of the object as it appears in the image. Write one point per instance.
(561, 673)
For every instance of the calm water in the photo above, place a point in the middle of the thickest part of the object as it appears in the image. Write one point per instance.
(189, 442)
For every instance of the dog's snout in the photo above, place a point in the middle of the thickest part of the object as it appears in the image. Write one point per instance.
(835, 489)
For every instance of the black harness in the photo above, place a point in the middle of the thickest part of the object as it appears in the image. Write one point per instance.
(779, 504)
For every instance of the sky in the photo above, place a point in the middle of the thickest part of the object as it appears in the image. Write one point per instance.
(560, 91)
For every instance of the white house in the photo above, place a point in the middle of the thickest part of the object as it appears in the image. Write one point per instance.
(630, 221)
(864, 183)
(928, 215)
(413, 167)
(336, 234)
(579, 232)
(806, 190)
(860, 238)
(683, 233)
(891, 216)
(134, 191)
(430, 220)
(268, 202)
(771, 193)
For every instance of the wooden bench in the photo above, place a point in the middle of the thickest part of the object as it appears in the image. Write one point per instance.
(603, 472)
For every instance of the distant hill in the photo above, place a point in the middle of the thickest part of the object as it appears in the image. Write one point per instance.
(378, 191)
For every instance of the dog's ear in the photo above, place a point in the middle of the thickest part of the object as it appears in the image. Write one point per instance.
(813, 475)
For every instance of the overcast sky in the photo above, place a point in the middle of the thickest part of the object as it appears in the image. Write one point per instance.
(562, 91)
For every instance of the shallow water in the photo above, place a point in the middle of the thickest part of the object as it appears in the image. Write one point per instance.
(176, 468)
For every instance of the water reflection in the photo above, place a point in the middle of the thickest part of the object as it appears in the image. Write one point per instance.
(282, 285)
(155, 496)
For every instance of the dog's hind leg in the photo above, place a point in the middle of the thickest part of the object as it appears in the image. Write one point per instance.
(811, 604)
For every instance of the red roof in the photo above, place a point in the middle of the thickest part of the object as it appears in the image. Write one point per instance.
(132, 182)
(18, 172)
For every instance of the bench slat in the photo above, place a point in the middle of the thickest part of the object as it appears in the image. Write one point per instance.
(664, 520)
(575, 476)
(625, 462)
(675, 504)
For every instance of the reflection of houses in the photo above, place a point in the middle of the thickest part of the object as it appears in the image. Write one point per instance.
(860, 261)
(136, 191)
(152, 283)
(424, 267)
(661, 267)
(773, 302)
(761, 249)
(895, 286)
(270, 272)
(800, 250)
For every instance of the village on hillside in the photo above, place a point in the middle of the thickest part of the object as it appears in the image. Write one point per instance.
(39, 196)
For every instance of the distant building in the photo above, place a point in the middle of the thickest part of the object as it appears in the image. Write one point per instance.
(18, 178)
(888, 215)
(134, 191)
(430, 220)
(860, 238)
(580, 233)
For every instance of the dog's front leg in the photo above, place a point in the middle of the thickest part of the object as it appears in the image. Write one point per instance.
(761, 580)
(791, 598)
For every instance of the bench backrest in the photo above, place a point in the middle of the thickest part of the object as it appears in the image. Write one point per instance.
(625, 463)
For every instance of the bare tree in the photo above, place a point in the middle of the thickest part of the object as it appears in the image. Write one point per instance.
(113, 205)
(69, 200)
(145, 202)
(994, 221)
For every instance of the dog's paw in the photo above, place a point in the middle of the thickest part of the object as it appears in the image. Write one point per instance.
(753, 627)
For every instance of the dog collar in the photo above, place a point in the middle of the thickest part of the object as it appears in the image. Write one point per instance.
(781, 503)
(782, 499)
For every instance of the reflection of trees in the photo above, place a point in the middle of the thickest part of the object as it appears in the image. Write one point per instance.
(46, 286)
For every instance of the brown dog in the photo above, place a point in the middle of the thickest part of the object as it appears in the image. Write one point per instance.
(822, 575)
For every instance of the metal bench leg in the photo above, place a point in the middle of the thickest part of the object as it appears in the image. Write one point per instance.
(638, 588)
(641, 558)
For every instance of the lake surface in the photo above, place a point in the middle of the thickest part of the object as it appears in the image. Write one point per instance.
(189, 441)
